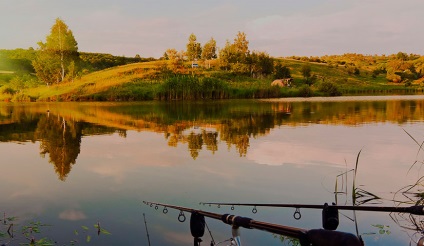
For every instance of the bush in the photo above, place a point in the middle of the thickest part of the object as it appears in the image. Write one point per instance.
(281, 71)
(329, 89)
(305, 91)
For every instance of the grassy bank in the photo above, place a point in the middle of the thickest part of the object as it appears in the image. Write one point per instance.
(155, 81)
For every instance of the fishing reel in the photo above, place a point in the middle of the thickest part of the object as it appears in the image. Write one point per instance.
(330, 217)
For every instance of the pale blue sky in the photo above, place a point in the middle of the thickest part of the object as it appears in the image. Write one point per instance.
(280, 27)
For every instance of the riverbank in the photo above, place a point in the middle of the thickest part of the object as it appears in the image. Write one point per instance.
(346, 98)
(154, 81)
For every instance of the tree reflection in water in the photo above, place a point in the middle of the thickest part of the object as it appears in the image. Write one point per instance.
(60, 139)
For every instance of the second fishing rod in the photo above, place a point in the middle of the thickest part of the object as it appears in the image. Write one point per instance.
(417, 210)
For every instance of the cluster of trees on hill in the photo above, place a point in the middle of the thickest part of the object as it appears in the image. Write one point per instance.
(234, 57)
(399, 67)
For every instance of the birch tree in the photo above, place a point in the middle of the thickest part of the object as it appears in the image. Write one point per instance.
(58, 55)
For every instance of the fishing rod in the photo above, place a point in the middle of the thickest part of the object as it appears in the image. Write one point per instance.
(316, 237)
(416, 210)
(147, 232)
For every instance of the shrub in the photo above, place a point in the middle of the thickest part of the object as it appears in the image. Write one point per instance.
(329, 89)
(305, 91)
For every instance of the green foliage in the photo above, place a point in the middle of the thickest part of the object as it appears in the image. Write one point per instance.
(306, 70)
(20, 83)
(260, 64)
(100, 61)
(209, 50)
(240, 68)
(329, 89)
(54, 57)
(192, 88)
(132, 91)
(7, 90)
(311, 80)
(288, 240)
(17, 60)
(402, 56)
(305, 91)
(352, 70)
(376, 72)
(383, 229)
(227, 56)
(194, 49)
(241, 45)
(234, 53)
(281, 72)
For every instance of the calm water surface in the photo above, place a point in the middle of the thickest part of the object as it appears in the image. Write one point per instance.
(73, 165)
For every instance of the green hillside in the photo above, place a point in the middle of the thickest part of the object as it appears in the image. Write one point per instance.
(349, 74)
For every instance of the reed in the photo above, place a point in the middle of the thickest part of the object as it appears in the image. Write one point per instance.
(185, 87)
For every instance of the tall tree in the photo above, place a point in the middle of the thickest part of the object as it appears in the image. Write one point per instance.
(241, 46)
(234, 55)
(58, 55)
(209, 50)
(226, 55)
(194, 49)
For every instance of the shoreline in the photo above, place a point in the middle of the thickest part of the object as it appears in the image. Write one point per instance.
(344, 98)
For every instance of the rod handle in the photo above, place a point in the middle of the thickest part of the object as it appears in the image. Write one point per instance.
(417, 210)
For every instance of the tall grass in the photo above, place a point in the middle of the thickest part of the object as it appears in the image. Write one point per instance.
(185, 87)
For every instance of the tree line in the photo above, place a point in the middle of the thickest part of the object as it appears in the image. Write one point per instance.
(234, 57)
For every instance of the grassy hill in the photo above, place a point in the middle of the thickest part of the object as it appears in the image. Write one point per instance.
(154, 79)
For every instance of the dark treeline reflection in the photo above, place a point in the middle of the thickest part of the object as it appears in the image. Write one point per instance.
(61, 140)
(59, 127)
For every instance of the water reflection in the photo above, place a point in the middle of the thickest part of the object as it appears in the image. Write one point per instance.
(112, 155)
(61, 140)
(200, 125)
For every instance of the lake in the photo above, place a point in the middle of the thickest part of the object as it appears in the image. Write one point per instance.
(71, 166)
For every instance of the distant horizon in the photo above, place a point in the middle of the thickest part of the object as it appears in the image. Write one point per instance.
(282, 28)
(94, 52)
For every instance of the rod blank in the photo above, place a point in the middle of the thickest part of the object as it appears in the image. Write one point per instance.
(417, 210)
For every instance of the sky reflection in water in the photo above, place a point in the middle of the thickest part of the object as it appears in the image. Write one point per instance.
(291, 162)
